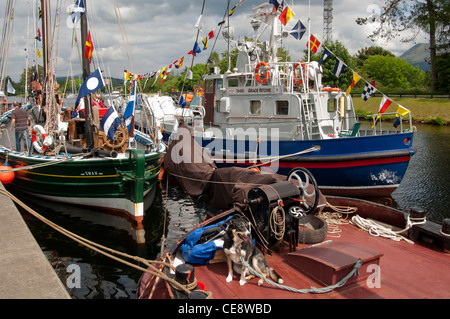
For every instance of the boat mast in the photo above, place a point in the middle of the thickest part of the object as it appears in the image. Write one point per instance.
(86, 72)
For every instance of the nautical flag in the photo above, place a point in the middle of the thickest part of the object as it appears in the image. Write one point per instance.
(9, 88)
(326, 54)
(286, 15)
(129, 110)
(356, 78)
(168, 71)
(75, 12)
(232, 11)
(195, 50)
(39, 53)
(205, 43)
(38, 37)
(400, 111)
(189, 74)
(92, 83)
(339, 68)
(385, 103)
(182, 101)
(275, 5)
(110, 122)
(89, 48)
(177, 66)
(298, 31)
(211, 34)
(198, 24)
(313, 44)
(368, 91)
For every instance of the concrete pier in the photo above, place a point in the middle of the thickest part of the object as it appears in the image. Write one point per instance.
(25, 272)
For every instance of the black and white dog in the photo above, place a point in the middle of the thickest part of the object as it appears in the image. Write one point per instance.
(238, 243)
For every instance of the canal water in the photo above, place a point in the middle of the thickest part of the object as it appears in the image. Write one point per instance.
(426, 185)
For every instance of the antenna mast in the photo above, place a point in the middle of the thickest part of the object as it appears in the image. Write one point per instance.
(328, 20)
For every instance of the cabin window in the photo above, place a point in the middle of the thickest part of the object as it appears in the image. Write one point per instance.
(209, 86)
(332, 105)
(233, 82)
(282, 108)
(255, 107)
(219, 84)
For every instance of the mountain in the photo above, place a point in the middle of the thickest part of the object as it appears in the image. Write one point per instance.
(418, 55)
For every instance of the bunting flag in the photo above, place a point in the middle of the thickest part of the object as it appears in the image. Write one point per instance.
(195, 50)
(129, 110)
(368, 91)
(38, 37)
(177, 66)
(298, 31)
(326, 54)
(211, 34)
(339, 67)
(39, 53)
(276, 5)
(356, 78)
(9, 88)
(232, 11)
(205, 43)
(168, 71)
(89, 48)
(182, 102)
(313, 44)
(110, 122)
(384, 105)
(75, 12)
(198, 24)
(286, 15)
(400, 111)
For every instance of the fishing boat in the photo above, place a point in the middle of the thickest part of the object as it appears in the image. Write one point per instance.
(280, 116)
(73, 162)
(322, 246)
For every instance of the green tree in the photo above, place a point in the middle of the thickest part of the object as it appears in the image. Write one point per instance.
(346, 77)
(393, 72)
(364, 54)
(431, 16)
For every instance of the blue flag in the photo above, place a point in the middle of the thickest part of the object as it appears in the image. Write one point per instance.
(298, 31)
(92, 83)
(339, 67)
(110, 122)
(326, 54)
(129, 111)
(195, 50)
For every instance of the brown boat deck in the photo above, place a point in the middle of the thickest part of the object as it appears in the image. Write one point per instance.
(406, 270)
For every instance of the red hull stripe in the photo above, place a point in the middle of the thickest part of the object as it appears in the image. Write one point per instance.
(354, 163)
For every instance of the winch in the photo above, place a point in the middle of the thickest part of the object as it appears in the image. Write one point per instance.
(277, 208)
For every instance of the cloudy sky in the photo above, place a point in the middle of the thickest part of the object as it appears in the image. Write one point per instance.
(161, 31)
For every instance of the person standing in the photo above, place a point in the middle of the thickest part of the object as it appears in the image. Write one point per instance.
(19, 119)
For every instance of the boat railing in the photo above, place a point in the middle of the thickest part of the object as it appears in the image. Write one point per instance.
(377, 120)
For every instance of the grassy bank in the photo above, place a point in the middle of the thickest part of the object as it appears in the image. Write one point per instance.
(434, 111)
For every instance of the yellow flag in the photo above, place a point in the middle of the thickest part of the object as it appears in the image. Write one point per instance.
(39, 53)
(356, 78)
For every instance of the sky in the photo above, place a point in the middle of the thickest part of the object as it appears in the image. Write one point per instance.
(160, 32)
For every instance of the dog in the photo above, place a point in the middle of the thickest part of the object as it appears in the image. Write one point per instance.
(238, 243)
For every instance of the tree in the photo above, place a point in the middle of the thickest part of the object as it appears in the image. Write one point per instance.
(393, 72)
(346, 77)
(431, 16)
(364, 54)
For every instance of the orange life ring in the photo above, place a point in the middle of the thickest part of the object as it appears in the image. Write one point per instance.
(258, 73)
(36, 145)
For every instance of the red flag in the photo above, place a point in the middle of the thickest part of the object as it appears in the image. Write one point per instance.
(89, 48)
(385, 103)
(313, 44)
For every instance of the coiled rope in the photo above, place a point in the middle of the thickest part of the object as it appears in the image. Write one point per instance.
(376, 229)
(313, 290)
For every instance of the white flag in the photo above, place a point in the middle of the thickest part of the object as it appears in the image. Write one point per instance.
(9, 88)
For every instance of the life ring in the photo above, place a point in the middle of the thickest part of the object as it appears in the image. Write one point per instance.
(38, 147)
(298, 78)
(330, 89)
(258, 74)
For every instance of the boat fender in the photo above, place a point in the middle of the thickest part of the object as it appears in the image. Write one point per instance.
(258, 73)
(38, 147)
(199, 247)
(312, 230)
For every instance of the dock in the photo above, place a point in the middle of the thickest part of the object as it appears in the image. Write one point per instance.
(25, 272)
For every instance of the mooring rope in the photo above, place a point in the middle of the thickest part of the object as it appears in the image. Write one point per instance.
(313, 290)
(108, 252)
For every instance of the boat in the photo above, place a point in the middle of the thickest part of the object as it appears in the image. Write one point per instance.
(322, 246)
(74, 163)
(280, 116)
